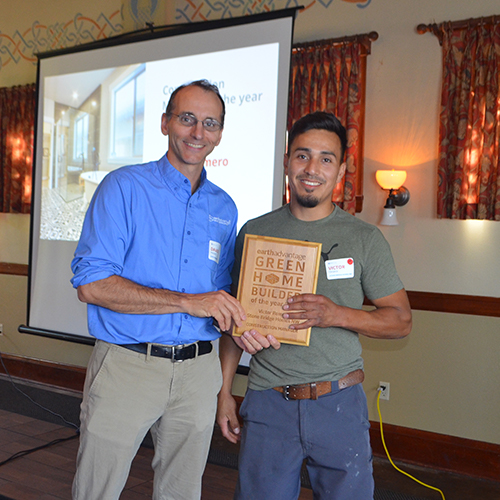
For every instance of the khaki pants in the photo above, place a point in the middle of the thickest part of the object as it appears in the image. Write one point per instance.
(125, 395)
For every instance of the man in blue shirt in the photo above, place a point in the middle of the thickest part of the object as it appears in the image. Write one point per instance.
(153, 264)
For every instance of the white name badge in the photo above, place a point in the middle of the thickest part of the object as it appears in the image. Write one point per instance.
(339, 269)
(214, 251)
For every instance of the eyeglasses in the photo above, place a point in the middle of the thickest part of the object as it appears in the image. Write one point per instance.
(188, 120)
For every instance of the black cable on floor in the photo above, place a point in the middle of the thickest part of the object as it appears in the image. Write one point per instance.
(23, 453)
(56, 441)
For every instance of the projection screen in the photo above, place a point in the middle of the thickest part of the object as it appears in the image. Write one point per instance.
(99, 108)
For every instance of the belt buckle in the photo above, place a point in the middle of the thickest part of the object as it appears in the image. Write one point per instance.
(174, 350)
(286, 392)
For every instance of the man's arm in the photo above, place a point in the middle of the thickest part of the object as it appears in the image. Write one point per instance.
(390, 319)
(229, 354)
(125, 296)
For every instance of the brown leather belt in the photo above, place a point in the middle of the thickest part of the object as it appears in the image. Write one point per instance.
(316, 389)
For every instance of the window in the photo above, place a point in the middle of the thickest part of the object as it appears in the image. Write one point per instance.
(128, 118)
(80, 150)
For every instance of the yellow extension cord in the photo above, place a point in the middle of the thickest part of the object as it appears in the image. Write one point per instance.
(389, 457)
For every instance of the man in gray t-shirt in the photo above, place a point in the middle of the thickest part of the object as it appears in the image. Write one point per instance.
(307, 403)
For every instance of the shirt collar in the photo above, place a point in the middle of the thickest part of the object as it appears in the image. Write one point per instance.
(178, 182)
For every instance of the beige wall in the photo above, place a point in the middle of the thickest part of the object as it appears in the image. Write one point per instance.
(13, 292)
(445, 376)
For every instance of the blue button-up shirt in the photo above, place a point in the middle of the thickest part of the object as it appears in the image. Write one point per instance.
(143, 224)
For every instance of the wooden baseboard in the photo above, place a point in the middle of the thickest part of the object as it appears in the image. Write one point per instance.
(413, 446)
(438, 451)
(36, 370)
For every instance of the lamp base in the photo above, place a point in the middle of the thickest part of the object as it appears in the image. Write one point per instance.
(400, 196)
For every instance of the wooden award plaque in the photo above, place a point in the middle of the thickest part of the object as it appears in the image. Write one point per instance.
(272, 270)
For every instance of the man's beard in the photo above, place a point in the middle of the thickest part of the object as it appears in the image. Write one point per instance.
(307, 201)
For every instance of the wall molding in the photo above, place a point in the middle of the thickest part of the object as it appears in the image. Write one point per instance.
(454, 303)
(16, 269)
(477, 305)
(413, 446)
(420, 301)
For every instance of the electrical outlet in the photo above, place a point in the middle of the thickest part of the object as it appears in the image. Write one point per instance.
(384, 388)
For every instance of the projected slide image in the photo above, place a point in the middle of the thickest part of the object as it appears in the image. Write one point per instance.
(99, 108)
(78, 151)
(99, 120)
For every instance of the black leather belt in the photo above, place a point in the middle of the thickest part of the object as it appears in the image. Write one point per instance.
(175, 353)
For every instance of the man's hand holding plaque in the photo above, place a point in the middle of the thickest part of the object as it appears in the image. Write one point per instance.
(274, 270)
(252, 341)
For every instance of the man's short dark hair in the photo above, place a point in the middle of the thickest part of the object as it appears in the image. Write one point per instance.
(202, 84)
(319, 120)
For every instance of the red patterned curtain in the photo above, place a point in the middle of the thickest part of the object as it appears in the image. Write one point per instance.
(469, 167)
(330, 75)
(17, 119)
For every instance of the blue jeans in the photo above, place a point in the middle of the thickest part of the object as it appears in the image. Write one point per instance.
(330, 433)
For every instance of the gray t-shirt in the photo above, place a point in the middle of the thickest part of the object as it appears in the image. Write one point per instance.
(332, 352)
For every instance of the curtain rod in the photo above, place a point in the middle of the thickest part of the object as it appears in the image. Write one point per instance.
(436, 29)
(364, 39)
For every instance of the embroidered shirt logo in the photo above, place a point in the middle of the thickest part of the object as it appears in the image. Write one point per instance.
(211, 218)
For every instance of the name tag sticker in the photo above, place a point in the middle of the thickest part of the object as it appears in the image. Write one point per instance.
(214, 251)
(339, 269)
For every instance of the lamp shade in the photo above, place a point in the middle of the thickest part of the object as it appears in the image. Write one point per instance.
(389, 217)
(390, 179)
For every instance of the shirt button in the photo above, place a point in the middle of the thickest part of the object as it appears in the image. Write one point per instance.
(189, 232)
(185, 316)
(183, 290)
(185, 261)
